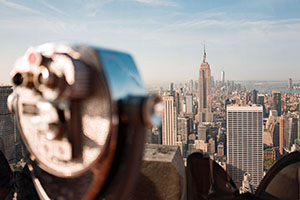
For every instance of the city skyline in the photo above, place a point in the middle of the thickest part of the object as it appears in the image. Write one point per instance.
(165, 37)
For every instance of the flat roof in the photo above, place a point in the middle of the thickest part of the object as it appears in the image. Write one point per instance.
(237, 107)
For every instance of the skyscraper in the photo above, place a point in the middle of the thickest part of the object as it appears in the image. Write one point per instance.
(261, 101)
(222, 77)
(292, 131)
(183, 126)
(244, 142)
(288, 132)
(276, 95)
(189, 103)
(205, 114)
(282, 128)
(290, 85)
(169, 122)
(254, 96)
(191, 85)
(212, 81)
(171, 87)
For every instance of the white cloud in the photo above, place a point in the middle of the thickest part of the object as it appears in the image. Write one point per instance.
(93, 7)
(19, 7)
(156, 2)
(48, 5)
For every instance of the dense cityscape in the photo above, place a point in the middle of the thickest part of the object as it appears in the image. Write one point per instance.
(150, 99)
(244, 131)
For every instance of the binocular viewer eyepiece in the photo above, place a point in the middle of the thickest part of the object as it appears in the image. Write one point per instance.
(82, 113)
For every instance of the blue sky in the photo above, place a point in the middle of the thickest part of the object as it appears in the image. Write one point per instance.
(249, 40)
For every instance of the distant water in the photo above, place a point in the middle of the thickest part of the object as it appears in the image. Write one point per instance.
(268, 86)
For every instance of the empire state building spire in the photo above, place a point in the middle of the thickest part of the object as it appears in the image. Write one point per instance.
(204, 55)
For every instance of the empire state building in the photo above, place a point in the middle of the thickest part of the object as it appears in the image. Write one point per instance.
(204, 113)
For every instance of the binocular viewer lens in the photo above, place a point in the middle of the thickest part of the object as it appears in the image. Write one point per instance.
(63, 108)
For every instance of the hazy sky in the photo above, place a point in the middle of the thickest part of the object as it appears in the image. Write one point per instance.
(249, 40)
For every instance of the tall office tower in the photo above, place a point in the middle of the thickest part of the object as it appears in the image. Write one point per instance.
(292, 131)
(171, 87)
(176, 96)
(191, 85)
(261, 101)
(196, 85)
(222, 77)
(244, 142)
(276, 96)
(290, 85)
(254, 96)
(189, 103)
(212, 82)
(169, 122)
(10, 141)
(181, 102)
(275, 134)
(183, 124)
(282, 127)
(204, 114)
(248, 98)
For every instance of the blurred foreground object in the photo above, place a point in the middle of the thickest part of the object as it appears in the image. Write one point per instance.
(162, 174)
(207, 180)
(82, 112)
(5, 178)
(283, 179)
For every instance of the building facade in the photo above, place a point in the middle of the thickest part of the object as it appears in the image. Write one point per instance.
(204, 112)
(292, 131)
(254, 96)
(244, 142)
(222, 77)
(276, 96)
(202, 132)
(189, 104)
(169, 122)
(282, 131)
(290, 84)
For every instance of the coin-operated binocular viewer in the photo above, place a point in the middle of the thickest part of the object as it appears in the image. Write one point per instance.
(82, 113)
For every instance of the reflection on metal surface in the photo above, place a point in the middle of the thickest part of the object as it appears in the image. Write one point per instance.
(121, 72)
